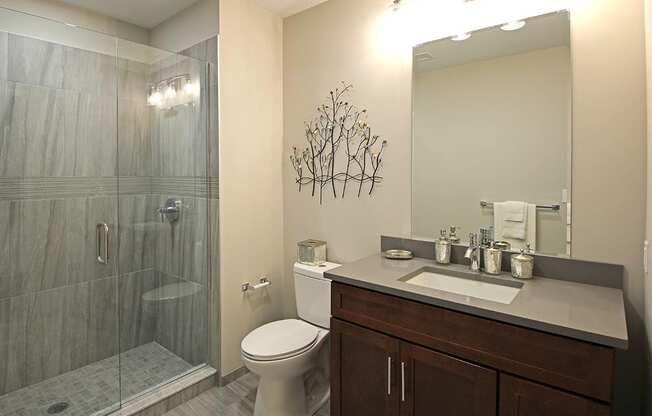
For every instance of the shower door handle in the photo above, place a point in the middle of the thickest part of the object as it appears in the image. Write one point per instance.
(102, 242)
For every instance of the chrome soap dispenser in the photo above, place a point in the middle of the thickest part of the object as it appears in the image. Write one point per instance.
(443, 249)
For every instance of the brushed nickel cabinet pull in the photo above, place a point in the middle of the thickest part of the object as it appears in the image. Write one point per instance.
(402, 381)
(389, 376)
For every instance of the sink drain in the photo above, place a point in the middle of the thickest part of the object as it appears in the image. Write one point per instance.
(57, 408)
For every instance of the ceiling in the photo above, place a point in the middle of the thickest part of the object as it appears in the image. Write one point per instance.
(287, 8)
(150, 13)
(143, 13)
(539, 33)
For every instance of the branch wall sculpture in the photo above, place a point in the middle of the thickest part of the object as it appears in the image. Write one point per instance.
(339, 128)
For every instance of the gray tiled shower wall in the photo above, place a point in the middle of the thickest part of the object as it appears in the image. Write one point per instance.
(61, 110)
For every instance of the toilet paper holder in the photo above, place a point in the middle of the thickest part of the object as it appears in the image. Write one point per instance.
(263, 282)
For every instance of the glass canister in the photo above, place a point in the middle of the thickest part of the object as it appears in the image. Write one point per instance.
(443, 249)
(311, 252)
(522, 265)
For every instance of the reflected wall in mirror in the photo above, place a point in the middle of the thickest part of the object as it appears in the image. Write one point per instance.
(492, 122)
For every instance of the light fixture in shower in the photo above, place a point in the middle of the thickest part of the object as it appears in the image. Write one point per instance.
(173, 92)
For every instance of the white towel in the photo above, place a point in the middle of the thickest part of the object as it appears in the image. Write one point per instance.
(530, 223)
(515, 211)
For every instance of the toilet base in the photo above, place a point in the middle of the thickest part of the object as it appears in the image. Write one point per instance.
(285, 397)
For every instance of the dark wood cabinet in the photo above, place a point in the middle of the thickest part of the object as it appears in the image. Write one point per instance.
(363, 375)
(523, 398)
(433, 381)
(391, 356)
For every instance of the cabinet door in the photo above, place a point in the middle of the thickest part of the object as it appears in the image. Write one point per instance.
(363, 372)
(433, 383)
(524, 398)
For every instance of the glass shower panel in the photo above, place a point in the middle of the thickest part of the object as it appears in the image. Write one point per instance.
(58, 216)
(163, 216)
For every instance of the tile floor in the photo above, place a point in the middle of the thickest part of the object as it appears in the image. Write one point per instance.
(235, 399)
(95, 389)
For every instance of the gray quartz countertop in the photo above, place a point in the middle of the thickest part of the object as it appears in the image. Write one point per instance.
(585, 312)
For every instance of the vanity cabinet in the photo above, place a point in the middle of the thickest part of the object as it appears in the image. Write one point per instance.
(392, 356)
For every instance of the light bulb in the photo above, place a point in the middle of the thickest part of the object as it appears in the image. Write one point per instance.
(461, 36)
(155, 98)
(189, 88)
(170, 92)
(515, 25)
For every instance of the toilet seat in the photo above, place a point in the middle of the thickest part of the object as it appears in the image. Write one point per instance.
(279, 340)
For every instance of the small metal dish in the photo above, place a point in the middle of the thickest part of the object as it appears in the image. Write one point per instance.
(398, 254)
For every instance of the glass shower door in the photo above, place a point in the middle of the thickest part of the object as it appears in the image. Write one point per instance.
(59, 349)
(163, 216)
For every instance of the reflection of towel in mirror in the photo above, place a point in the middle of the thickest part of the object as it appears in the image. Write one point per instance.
(514, 232)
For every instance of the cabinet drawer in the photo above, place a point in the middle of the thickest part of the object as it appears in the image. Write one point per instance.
(572, 365)
(523, 398)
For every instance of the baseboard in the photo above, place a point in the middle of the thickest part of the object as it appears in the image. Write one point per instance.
(232, 376)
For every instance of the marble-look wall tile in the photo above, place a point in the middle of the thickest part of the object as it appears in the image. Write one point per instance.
(134, 145)
(38, 120)
(36, 256)
(205, 51)
(13, 326)
(138, 231)
(32, 131)
(56, 332)
(213, 133)
(133, 80)
(182, 325)
(4, 54)
(179, 146)
(181, 248)
(83, 215)
(103, 322)
(35, 62)
(8, 147)
(138, 317)
(90, 134)
(89, 72)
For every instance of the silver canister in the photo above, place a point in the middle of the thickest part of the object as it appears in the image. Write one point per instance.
(443, 249)
(522, 265)
(493, 260)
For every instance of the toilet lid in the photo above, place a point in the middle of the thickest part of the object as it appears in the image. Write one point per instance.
(279, 339)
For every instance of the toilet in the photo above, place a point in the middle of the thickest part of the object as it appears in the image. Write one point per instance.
(283, 353)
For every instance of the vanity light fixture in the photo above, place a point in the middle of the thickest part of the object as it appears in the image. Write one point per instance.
(461, 36)
(173, 92)
(514, 25)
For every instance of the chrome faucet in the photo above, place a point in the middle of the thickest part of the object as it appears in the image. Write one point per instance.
(473, 253)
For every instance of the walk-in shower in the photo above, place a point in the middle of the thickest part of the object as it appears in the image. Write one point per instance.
(108, 216)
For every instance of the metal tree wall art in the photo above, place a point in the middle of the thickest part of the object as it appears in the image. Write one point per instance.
(339, 128)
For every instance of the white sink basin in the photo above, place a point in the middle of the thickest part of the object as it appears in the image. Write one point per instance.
(477, 288)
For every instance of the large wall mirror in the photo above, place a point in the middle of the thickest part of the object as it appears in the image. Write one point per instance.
(492, 134)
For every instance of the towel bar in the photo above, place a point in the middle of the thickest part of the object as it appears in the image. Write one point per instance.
(555, 207)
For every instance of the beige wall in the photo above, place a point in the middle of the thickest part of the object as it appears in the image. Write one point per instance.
(53, 9)
(186, 28)
(609, 160)
(251, 150)
(609, 141)
(648, 283)
(515, 147)
(323, 46)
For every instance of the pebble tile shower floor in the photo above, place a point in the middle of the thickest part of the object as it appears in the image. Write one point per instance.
(94, 389)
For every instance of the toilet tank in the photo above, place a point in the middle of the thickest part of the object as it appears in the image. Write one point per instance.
(313, 293)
